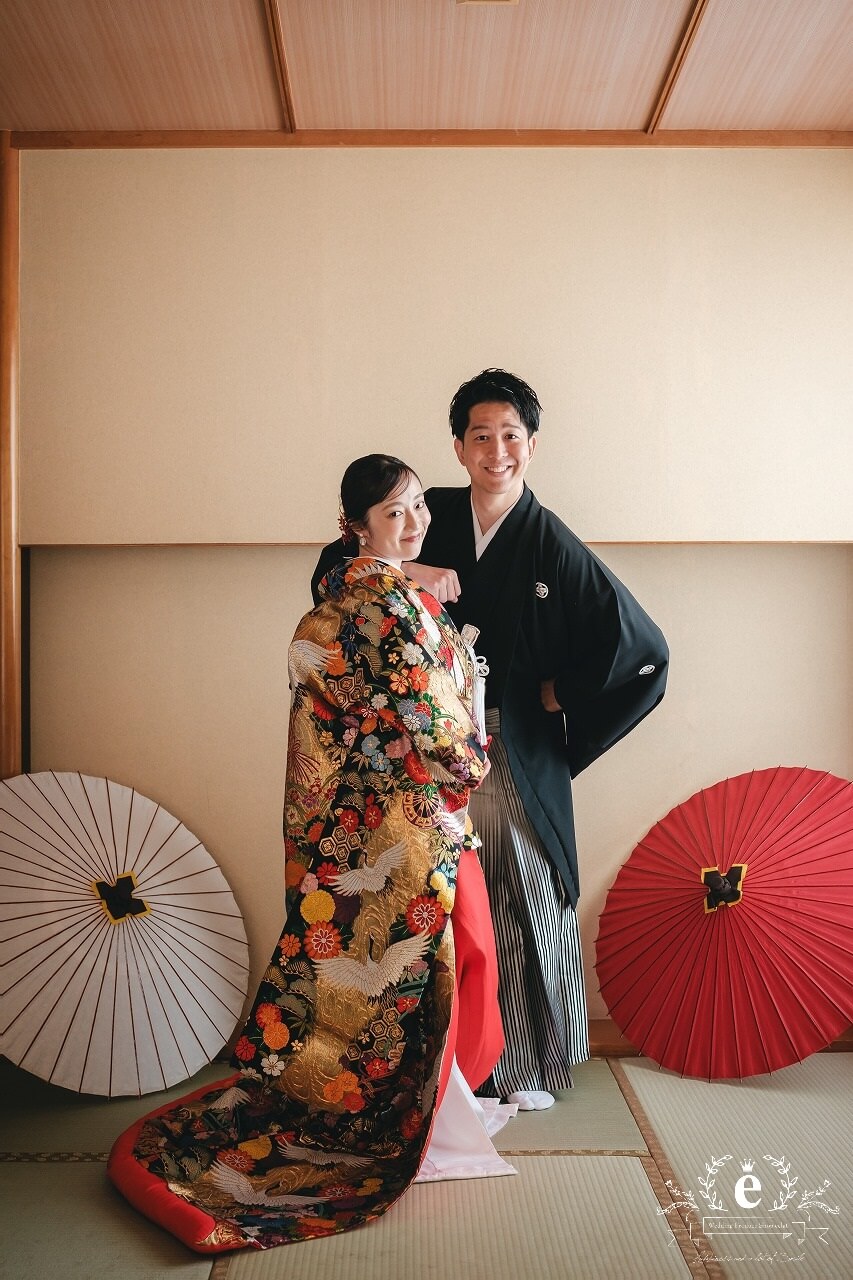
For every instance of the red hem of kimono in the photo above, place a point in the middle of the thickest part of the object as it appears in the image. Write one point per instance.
(480, 1036)
(475, 1030)
(151, 1195)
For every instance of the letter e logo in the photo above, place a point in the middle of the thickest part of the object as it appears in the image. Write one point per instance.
(747, 1183)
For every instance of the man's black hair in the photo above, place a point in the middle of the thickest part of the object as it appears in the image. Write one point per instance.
(494, 385)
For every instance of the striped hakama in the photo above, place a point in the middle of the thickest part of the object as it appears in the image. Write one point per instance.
(540, 965)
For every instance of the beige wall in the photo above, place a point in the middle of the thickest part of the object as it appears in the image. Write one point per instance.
(208, 337)
(165, 670)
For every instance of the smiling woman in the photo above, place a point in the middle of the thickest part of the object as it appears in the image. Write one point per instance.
(382, 504)
(349, 1047)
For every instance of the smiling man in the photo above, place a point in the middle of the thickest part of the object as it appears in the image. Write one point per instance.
(574, 664)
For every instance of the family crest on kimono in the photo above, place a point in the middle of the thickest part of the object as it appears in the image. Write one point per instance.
(360, 1019)
(574, 664)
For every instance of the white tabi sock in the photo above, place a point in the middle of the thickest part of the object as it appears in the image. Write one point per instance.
(531, 1099)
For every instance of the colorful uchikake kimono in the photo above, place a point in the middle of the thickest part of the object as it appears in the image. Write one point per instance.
(344, 1054)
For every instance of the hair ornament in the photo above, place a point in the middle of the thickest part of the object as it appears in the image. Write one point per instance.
(347, 532)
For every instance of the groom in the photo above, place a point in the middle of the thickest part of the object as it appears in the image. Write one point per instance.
(574, 664)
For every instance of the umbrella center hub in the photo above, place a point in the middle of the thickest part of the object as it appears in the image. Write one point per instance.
(118, 899)
(723, 889)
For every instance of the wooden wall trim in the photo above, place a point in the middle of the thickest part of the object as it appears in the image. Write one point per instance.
(58, 140)
(46, 544)
(677, 64)
(279, 54)
(10, 553)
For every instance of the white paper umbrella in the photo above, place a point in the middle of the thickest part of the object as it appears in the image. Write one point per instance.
(124, 955)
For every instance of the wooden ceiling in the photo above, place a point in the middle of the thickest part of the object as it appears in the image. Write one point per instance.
(326, 72)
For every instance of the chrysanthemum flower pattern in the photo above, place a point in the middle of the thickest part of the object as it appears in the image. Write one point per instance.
(322, 940)
(425, 915)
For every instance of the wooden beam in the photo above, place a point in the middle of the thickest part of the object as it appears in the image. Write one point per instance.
(58, 141)
(10, 552)
(844, 1043)
(677, 64)
(276, 33)
(607, 1041)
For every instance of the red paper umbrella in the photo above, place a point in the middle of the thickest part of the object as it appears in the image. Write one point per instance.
(723, 978)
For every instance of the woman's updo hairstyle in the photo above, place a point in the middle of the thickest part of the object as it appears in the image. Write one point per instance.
(365, 482)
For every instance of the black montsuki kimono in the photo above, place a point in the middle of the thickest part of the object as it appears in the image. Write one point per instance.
(547, 608)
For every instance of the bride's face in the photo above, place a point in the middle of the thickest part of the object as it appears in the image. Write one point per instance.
(394, 529)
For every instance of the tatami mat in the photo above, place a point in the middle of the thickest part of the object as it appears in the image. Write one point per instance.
(801, 1117)
(65, 1222)
(593, 1217)
(592, 1117)
(41, 1117)
(582, 1204)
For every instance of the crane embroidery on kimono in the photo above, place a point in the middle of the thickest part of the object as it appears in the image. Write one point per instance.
(241, 1190)
(303, 658)
(373, 878)
(323, 1159)
(372, 977)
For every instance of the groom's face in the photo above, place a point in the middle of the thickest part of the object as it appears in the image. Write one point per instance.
(496, 449)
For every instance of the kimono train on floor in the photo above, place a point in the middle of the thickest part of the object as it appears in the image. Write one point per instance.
(342, 1057)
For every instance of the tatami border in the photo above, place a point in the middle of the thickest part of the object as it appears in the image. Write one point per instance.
(54, 1157)
(634, 1152)
(695, 1249)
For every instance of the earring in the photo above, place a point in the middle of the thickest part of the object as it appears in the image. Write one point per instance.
(362, 541)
